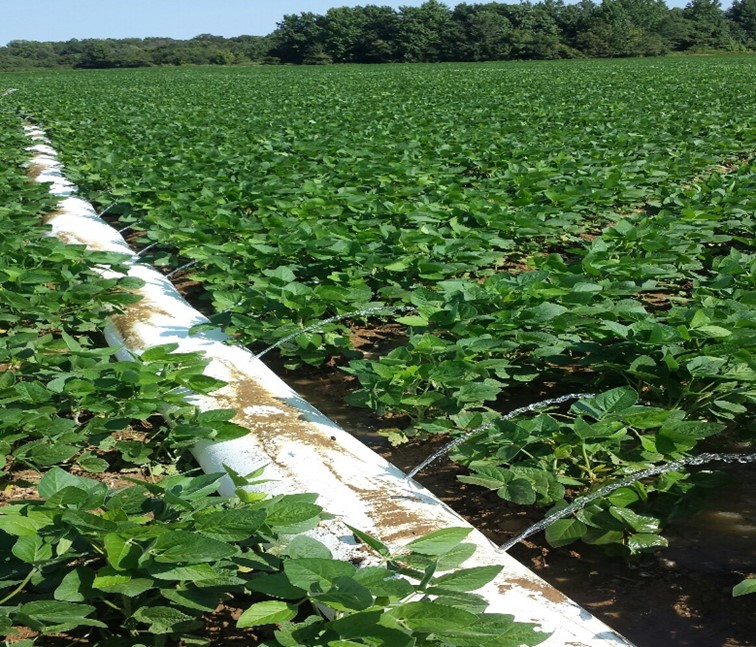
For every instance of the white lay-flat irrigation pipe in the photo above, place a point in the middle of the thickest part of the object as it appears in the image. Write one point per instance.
(303, 450)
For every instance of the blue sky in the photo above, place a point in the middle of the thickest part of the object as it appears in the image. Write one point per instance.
(55, 20)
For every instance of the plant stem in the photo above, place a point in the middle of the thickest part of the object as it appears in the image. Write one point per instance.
(20, 587)
(587, 462)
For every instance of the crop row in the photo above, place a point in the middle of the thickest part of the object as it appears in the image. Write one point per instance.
(108, 534)
(578, 223)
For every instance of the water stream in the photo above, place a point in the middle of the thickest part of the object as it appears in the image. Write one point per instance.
(319, 325)
(479, 430)
(581, 502)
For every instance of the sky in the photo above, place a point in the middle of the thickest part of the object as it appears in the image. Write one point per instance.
(58, 20)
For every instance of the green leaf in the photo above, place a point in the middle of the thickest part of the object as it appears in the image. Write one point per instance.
(618, 329)
(732, 407)
(543, 312)
(28, 524)
(190, 572)
(715, 332)
(182, 546)
(52, 616)
(471, 602)
(565, 531)
(383, 583)
(371, 541)
(266, 613)
(234, 524)
(623, 497)
(494, 630)
(705, 366)
(203, 383)
(204, 600)
(158, 353)
(685, 434)
(290, 634)
(165, 620)
(303, 546)
(518, 490)
(74, 497)
(615, 400)
(745, 587)
(290, 516)
(304, 573)
(92, 463)
(32, 549)
(413, 320)
(456, 556)
(32, 392)
(477, 392)
(438, 542)
(640, 541)
(76, 585)
(121, 553)
(468, 579)
(346, 594)
(110, 581)
(487, 476)
(277, 586)
(432, 617)
(364, 626)
(634, 521)
(56, 479)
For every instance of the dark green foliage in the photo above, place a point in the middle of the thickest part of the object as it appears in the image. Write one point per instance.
(742, 16)
(63, 399)
(587, 224)
(492, 31)
(151, 560)
(708, 26)
(431, 32)
(204, 49)
(146, 564)
(600, 247)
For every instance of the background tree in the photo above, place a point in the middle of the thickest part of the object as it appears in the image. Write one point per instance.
(298, 37)
(480, 33)
(343, 28)
(431, 32)
(708, 27)
(534, 32)
(425, 33)
(742, 17)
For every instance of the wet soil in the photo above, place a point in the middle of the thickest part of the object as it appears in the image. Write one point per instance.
(681, 596)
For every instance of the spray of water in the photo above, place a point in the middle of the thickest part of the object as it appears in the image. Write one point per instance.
(479, 430)
(316, 327)
(581, 502)
(183, 267)
(141, 252)
(107, 209)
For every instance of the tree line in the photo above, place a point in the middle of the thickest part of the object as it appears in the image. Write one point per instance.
(432, 32)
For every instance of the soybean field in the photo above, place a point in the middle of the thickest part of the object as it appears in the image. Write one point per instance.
(537, 227)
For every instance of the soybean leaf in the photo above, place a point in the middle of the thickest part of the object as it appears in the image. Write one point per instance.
(438, 542)
(266, 613)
